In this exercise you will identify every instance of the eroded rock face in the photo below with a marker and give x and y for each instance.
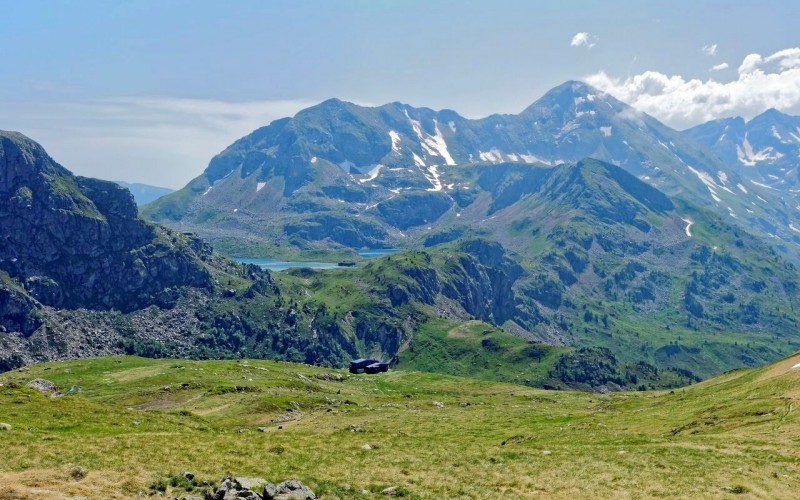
(75, 242)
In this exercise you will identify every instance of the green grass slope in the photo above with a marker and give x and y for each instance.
(133, 424)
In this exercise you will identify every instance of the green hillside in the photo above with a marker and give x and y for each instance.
(134, 425)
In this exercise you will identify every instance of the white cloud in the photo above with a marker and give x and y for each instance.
(762, 83)
(787, 58)
(719, 67)
(750, 64)
(583, 39)
(709, 50)
(155, 140)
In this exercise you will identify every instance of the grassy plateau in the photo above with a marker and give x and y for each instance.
(127, 426)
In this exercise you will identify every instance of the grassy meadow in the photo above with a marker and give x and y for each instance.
(127, 426)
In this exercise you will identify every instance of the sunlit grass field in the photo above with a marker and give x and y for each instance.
(132, 424)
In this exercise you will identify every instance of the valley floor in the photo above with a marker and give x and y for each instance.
(132, 423)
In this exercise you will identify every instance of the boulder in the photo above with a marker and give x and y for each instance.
(43, 386)
(251, 483)
(225, 486)
(290, 490)
(4, 426)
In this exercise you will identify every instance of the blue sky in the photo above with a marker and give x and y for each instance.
(149, 90)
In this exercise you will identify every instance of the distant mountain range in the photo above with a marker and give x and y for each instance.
(338, 174)
(764, 150)
(144, 193)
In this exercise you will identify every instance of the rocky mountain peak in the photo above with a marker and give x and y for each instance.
(764, 150)
(20, 157)
(357, 163)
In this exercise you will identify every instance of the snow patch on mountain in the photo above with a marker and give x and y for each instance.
(742, 188)
(750, 158)
(688, 227)
(569, 127)
(433, 178)
(492, 156)
(395, 137)
(762, 185)
(606, 131)
(708, 181)
(529, 158)
(434, 145)
(260, 186)
(372, 175)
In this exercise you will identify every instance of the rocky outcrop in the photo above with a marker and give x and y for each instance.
(18, 312)
(75, 242)
(479, 277)
(259, 489)
(44, 386)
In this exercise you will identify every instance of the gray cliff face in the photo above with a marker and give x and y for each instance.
(74, 242)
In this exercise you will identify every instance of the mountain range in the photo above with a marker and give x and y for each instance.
(625, 262)
(338, 174)
(764, 150)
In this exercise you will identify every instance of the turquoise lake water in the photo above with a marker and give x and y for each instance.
(282, 265)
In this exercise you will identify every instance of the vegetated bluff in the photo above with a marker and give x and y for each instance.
(342, 175)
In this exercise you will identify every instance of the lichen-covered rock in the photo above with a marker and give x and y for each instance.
(43, 386)
(291, 490)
